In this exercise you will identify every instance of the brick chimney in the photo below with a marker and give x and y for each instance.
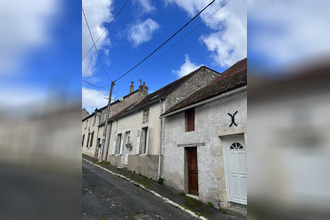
(143, 90)
(131, 88)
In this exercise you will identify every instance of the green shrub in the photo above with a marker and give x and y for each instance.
(160, 181)
(182, 193)
(210, 204)
(223, 211)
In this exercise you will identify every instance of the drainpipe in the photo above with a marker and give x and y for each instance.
(160, 138)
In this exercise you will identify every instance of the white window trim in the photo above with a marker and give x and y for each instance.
(138, 137)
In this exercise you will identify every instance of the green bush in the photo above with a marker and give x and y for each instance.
(160, 181)
(182, 193)
(210, 204)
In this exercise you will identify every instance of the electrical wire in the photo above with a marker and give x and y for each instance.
(90, 33)
(165, 41)
(197, 26)
(95, 85)
(106, 28)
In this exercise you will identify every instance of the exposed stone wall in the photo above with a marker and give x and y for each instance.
(211, 122)
(196, 82)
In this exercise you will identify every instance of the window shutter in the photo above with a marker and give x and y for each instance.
(92, 136)
(190, 117)
(147, 140)
(138, 142)
(121, 146)
(114, 145)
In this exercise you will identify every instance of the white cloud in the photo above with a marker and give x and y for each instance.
(186, 68)
(97, 12)
(227, 41)
(145, 6)
(142, 32)
(92, 99)
(24, 27)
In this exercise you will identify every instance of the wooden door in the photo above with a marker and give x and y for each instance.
(192, 170)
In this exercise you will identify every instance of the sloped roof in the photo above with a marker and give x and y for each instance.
(160, 93)
(118, 114)
(237, 67)
(233, 78)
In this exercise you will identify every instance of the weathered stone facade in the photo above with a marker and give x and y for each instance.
(211, 127)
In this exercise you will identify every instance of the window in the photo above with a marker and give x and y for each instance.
(236, 146)
(86, 124)
(190, 119)
(146, 115)
(83, 138)
(128, 140)
(118, 143)
(94, 119)
(92, 136)
(144, 140)
(128, 137)
(88, 139)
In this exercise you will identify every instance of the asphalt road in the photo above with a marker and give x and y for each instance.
(105, 196)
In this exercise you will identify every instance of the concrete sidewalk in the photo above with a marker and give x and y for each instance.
(192, 206)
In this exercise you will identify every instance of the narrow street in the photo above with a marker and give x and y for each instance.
(105, 196)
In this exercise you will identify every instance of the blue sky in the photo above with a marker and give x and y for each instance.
(41, 53)
(141, 27)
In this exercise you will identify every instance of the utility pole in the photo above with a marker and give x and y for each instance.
(106, 123)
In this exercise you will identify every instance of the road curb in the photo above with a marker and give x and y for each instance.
(166, 200)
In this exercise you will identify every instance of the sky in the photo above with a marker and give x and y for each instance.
(44, 42)
(40, 53)
(141, 27)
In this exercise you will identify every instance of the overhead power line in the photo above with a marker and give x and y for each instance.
(165, 41)
(106, 28)
(197, 26)
(95, 85)
(90, 33)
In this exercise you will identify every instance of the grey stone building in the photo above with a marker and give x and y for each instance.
(205, 142)
(137, 131)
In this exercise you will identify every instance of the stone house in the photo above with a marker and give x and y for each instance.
(137, 131)
(205, 141)
(93, 124)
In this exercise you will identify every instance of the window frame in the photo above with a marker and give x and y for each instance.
(146, 115)
(190, 120)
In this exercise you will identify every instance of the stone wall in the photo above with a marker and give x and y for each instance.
(196, 82)
(211, 123)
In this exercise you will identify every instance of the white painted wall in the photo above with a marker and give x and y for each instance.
(211, 122)
(132, 123)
